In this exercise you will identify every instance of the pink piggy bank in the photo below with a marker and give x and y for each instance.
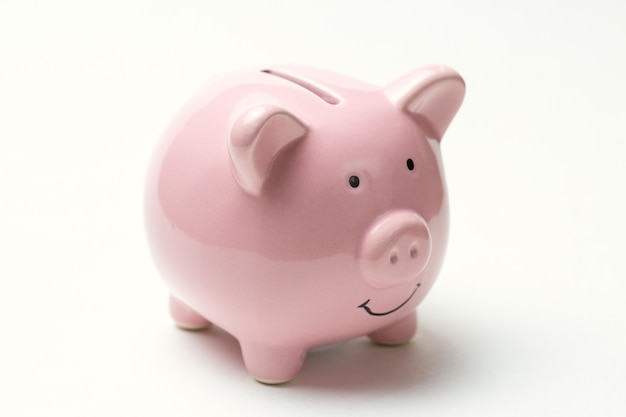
(296, 207)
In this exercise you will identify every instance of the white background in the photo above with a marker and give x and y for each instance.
(529, 314)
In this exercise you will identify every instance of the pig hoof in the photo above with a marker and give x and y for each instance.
(193, 327)
(272, 365)
(267, 382)
(397, 333)
(185, 317)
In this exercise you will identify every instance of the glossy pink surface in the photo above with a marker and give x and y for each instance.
(295, 207)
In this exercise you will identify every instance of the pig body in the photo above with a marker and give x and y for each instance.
(295, 207)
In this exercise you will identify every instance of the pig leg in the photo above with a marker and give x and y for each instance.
(396, 333)
(272, 364)
(185, 317)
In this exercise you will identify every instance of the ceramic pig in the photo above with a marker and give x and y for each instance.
(295, 207)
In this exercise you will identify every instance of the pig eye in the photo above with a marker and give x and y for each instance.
(410, 164)
(354, 181)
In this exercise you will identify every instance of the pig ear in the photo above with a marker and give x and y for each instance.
(431, 95)
(257, 137)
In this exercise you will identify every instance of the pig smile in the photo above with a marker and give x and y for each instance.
(371, 313)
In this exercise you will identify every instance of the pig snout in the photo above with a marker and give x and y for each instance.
(395, 249)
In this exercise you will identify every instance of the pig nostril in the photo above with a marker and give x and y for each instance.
(393, 258)
(413, 252)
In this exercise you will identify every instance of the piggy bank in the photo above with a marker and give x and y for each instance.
(296, 207)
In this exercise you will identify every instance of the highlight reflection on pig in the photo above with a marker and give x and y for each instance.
(296, 207)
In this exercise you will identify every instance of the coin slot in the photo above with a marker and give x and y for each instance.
(314, 88)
